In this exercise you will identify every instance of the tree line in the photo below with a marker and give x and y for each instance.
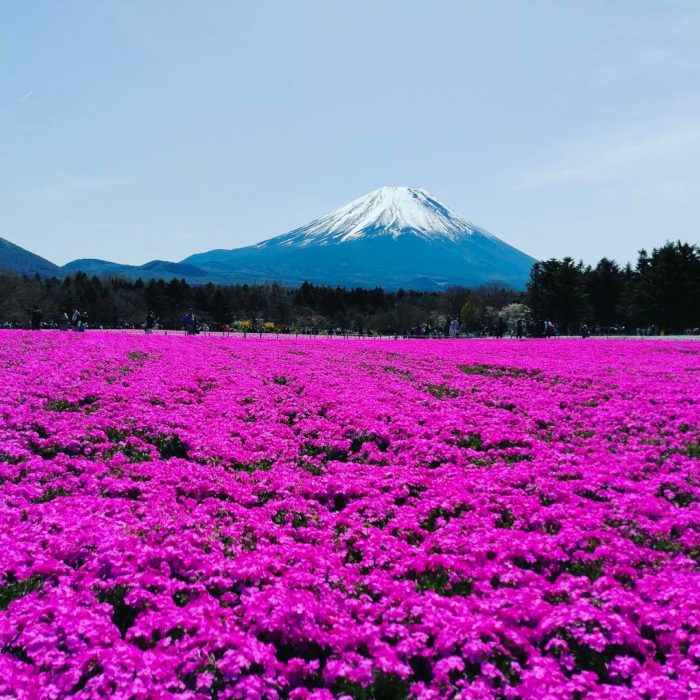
(662, 290)
(113, 302)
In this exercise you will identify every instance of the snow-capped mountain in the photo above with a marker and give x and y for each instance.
(388, 211)
(392, 237)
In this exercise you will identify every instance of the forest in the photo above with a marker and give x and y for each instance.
(659, 294)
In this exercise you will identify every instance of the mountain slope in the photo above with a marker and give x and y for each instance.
(393, 237)
(94, 266)
(15, 259)
(156, 269)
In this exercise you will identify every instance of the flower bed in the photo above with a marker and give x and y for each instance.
(205, 517)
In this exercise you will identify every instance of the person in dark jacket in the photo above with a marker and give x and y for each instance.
(190, 322)
(150, 322)
(36, 317)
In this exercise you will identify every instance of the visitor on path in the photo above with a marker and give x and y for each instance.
(76, 319)
(64, 321)
(584, 330)
(549, 329)
(150, 322)
(500, 328)
(519, 329)
(454, 326)
(35, 318)
(190, 322)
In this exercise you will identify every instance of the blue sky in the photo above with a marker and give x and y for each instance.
(138, 130)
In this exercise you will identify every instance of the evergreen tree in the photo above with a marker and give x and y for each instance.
(669, 286)
(556, 291)
(604, 284)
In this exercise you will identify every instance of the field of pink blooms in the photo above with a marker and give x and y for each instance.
(218, 517)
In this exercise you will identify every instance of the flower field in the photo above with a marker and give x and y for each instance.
(217, 517)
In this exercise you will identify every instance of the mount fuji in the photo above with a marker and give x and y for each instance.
(392, 237)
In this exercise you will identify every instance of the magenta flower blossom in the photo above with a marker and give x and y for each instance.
(201, 517)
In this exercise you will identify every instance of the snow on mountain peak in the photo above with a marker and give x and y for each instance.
(393, 211)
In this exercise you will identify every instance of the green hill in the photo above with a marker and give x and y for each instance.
(22, 262)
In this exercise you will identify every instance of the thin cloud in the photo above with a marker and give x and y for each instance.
(660, 152)
(24, 98)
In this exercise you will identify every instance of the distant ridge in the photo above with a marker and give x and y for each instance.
(150, 270)
(15, 259)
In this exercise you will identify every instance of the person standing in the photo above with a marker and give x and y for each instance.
(500, 328)
(519, 329)
(190, 322)
(76, 319)
(150, 322)
(453, 328)
(35, 318)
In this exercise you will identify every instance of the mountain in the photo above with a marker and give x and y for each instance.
(393, 237)
(156, 269)
(163, 268)
(22, 262)
(93, 266)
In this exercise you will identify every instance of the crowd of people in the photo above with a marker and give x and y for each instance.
(34, 320)
(519, 328)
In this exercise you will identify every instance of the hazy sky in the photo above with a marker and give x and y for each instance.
(138, 130)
